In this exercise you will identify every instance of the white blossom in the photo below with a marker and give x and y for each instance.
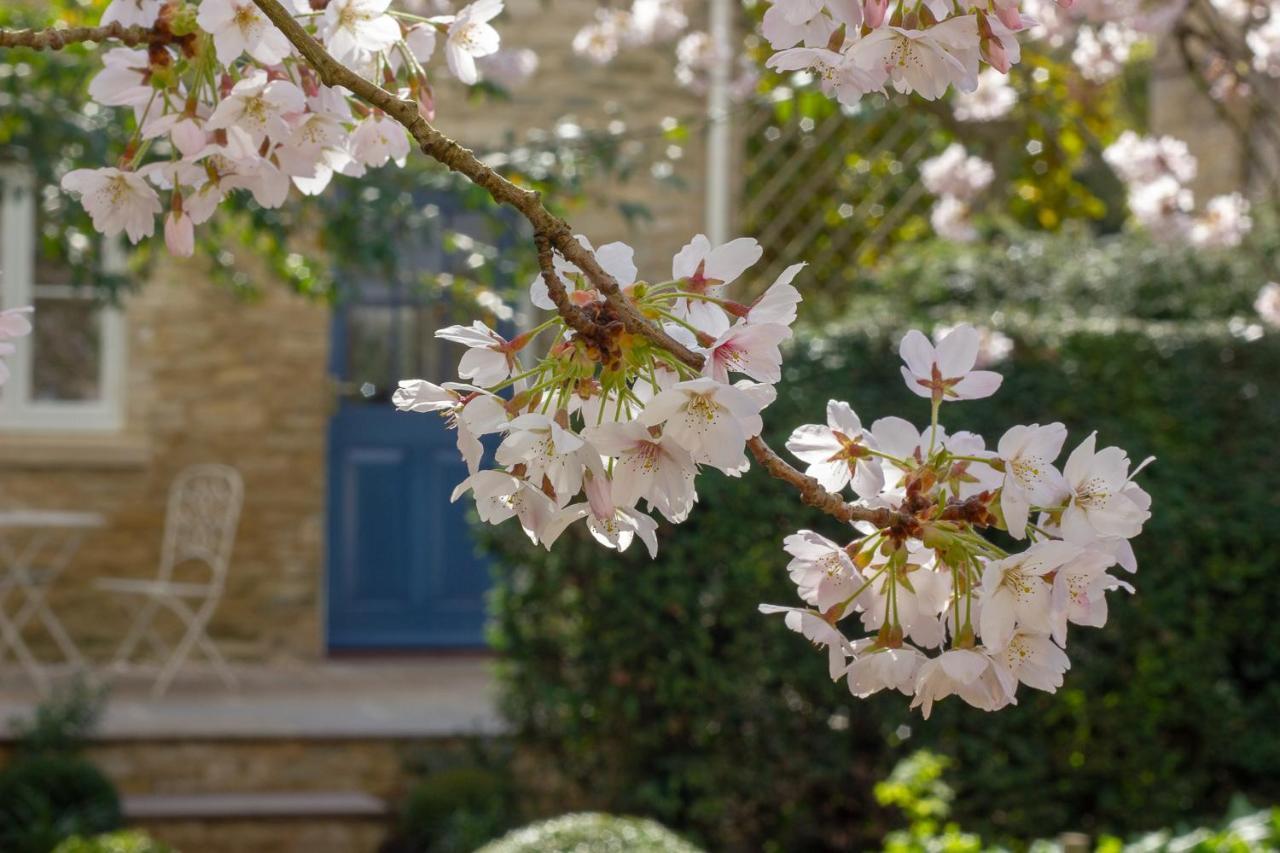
(116, 200)
(470, 36)
(239, 27)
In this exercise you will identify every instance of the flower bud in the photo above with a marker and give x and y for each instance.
(183, 20)
(873, 12)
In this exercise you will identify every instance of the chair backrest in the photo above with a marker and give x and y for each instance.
(200, 523)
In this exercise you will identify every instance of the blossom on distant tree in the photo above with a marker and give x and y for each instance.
(1156, 171)
(1267, 304)
(14, 323)
(993, 98)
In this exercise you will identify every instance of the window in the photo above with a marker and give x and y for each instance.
(68, 376)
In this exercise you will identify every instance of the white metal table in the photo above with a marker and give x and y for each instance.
(36, 546)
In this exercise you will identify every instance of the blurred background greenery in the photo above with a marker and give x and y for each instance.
(657, 688)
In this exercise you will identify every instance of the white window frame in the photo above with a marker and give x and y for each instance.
(18, 412)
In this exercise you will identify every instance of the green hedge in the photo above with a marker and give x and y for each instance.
(658, 689)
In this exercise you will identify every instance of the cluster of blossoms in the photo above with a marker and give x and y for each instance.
(957, 179)
(1264, 39)
(645, 22)
(14, 323)
(948, 611)
(861, 46)
(993, 98)
(649, 22)
(602, 425)
(1102, 34)
(222, 103)
(1156, 171)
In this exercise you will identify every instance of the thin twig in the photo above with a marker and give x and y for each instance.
(813, 494)
(56, 38)
(574, 316)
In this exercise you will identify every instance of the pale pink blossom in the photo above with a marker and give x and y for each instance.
(749, 348)
(813, 627)
(927, 61)
(179, 234)
(239, 27)
(131, 13)
(116, 201)
(354, 29)
(378, 139)
(1267, 304)
(487, 360)
(471, 36)
(876, 669)
(1028, 453)
(709, 419)
(1015, 591)
(954, 671)
(944, 371)
(1103, 501)
(653, 468)
(822, 571)
(259, 106)
(840, 452)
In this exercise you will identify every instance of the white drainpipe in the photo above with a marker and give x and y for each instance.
(719, 137)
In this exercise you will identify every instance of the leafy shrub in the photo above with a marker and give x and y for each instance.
(62, 723)
(1044, 280)
(115, 842)
(656, 688)
(917, 790)
(48, 792)
(47, 798)
(591, 833)
(454, 810)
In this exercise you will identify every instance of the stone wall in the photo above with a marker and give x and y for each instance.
(215, 378)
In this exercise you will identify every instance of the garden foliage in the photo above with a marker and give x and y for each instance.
(48, 791)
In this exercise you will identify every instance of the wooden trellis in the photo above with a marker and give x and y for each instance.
(832, 187)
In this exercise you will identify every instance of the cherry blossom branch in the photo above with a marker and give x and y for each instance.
(813, 494)
(462, 160)
(550, 231)
(56, 38)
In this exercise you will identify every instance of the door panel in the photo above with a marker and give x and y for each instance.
(403, 569)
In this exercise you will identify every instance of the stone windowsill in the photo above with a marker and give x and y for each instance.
(73, 450)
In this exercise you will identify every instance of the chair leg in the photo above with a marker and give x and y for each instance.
(13, 638)
(220, 665)
(195, 623)
(141, 623)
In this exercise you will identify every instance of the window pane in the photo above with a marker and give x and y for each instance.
(369, 351)
(66, 351)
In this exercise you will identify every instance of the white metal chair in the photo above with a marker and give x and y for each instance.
(200, 528)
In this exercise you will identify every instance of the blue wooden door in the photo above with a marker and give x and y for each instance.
(403, 571)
